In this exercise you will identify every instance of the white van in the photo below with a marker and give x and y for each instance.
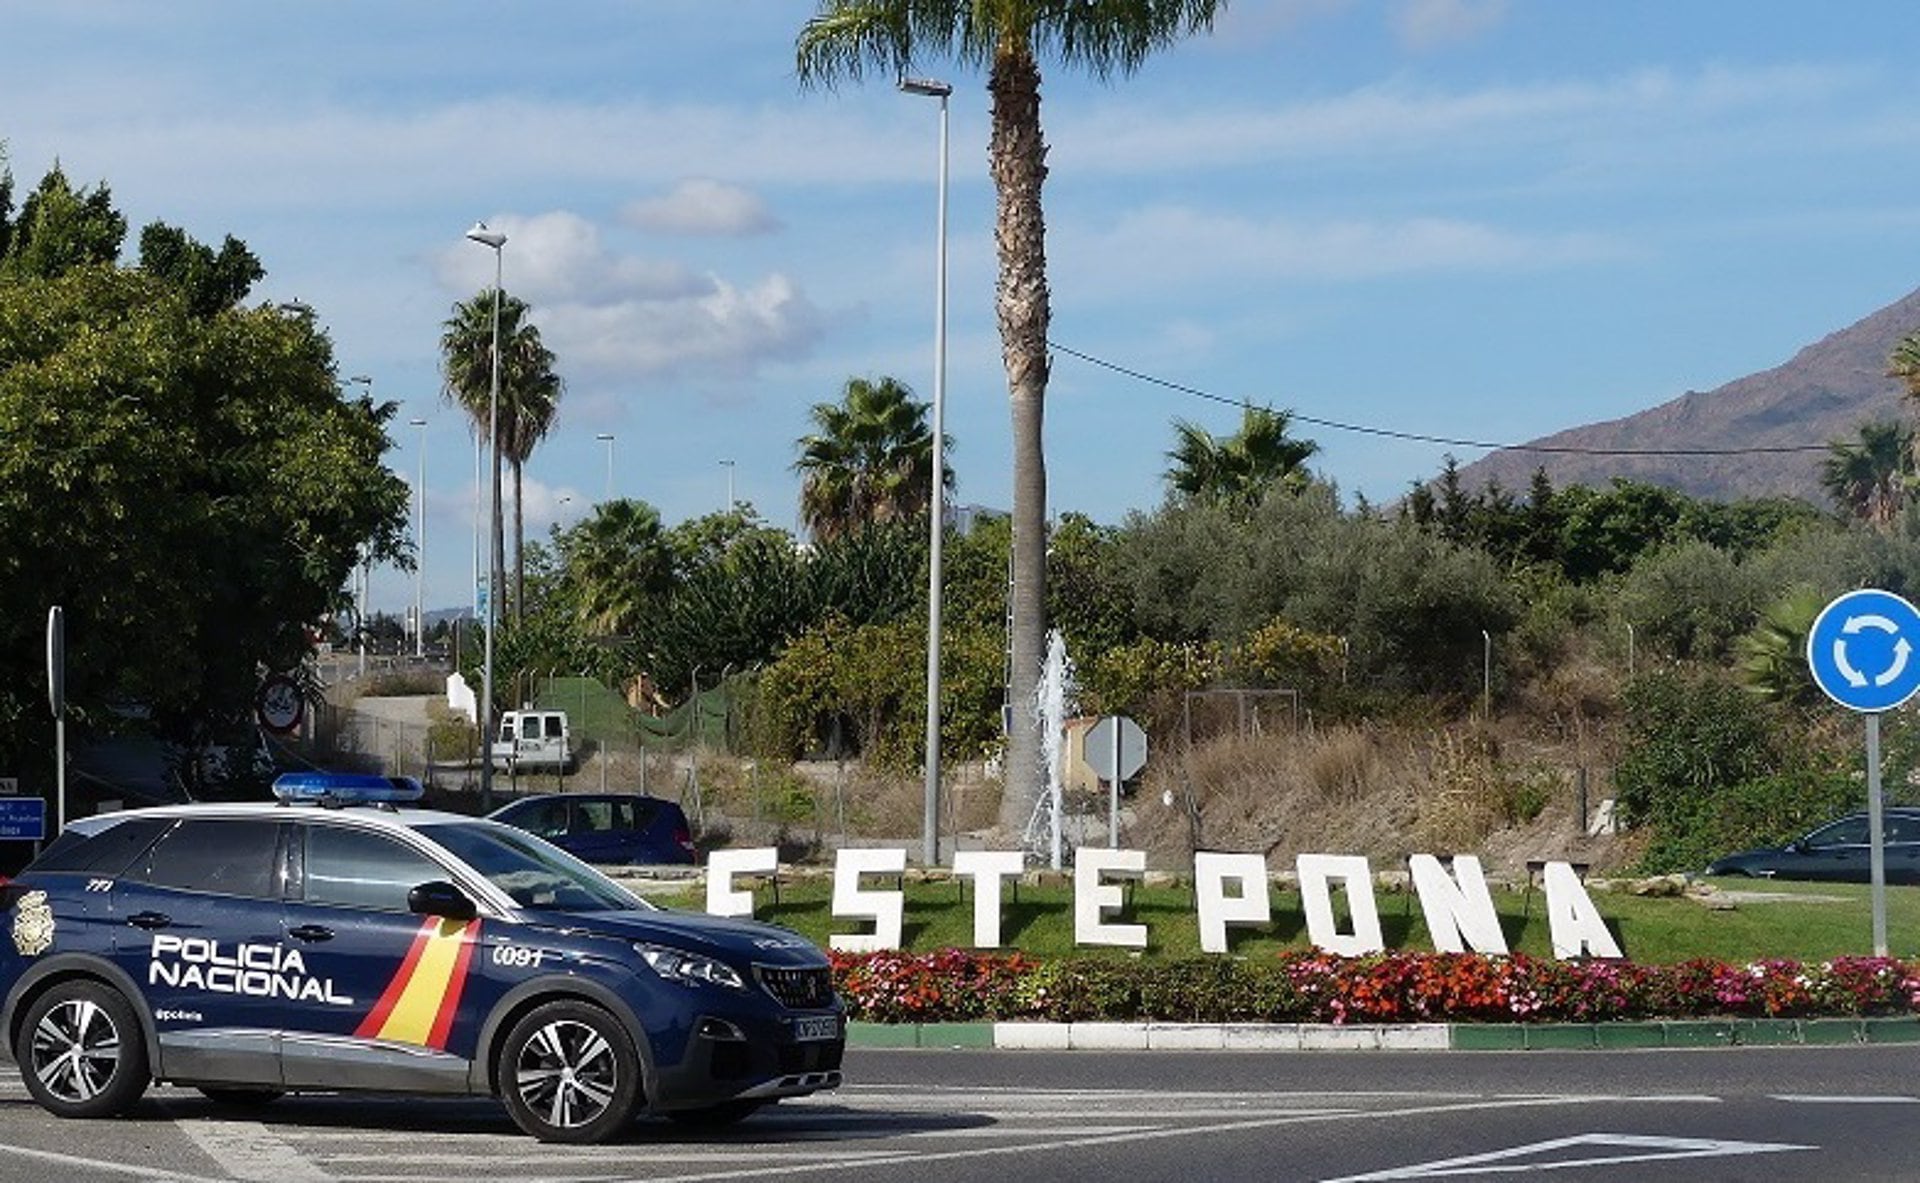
(534, 739)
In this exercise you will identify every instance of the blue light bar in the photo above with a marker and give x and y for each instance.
(346, 788)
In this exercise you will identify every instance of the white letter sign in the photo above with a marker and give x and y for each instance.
(1458, 908)
(723, 865)
(1248, 905)
(1572, 920)
(884, 908)
(1316, 896)
(1092, 898)
(987, 868)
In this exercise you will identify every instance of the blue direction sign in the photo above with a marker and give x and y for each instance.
(1864, 650)
(23, 818)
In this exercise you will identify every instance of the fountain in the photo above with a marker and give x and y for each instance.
(1053, 704)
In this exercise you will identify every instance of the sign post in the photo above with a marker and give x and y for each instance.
(1115, 748)
(1861, 653)
(57, 699)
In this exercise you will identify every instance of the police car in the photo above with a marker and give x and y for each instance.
(339, 940)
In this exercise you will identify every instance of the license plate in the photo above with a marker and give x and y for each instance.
(819, 1027)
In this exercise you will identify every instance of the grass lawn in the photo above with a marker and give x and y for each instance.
(1798, 921)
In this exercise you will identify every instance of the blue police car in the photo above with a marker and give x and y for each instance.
(340, 940)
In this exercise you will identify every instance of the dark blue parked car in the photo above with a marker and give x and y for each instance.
(1837, 852)
(607, 829)
(252, 950)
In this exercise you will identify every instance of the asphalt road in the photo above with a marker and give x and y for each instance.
(1826, 1114)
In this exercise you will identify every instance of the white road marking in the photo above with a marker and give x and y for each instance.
(249, 1150)
(75, 1163)
(1810, 1099)
(1636, 1148)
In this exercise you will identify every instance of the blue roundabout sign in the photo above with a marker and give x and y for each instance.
(1864, 650)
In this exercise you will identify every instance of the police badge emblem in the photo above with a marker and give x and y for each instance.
(32, 924)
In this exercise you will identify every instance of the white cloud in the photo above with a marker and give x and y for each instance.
(724, 331)
(1430, 24)
(699, 206)
(616, 317)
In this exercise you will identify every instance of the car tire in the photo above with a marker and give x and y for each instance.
(81, 1052)
(237, 1097)
(568, 1072)
(713, 1117)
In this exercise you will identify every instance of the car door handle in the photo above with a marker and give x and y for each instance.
(310, 932)
(149, 920)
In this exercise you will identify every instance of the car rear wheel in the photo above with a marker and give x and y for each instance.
(81, 1053)
(568, 1072)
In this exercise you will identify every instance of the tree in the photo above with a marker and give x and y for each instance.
(60, 228)
(186, 481)
(846, 39)
(1868, 479)
(530, 393)
(869, 459)
(618, 566)
(1242, 467)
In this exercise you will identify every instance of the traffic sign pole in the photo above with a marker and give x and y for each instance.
(1876, 846)
(1864, 653)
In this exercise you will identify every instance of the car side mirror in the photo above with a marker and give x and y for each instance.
(443, 899)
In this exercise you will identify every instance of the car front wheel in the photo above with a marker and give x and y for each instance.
(81, 1053)
(568, 1072)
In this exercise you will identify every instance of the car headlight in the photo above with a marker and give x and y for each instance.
(689, 969)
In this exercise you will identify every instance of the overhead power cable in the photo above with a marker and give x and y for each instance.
(1420, 438)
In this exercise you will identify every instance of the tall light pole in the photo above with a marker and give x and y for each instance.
(728, 465)
(496, 241)
(420, 546)
(606, 437)
(937, 504)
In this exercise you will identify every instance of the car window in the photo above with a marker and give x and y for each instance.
(108, 852)
(534, 873)
(223, 856)
(1848, 831)
(594, 816)
(360, 869)
(545, 818)
(553, 727)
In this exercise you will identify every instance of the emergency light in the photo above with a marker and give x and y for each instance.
(345, 788)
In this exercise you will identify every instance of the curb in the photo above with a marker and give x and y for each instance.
(1315, 1037)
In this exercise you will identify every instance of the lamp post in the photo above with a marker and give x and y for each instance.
(606, 437)
(420, 546)
(937, 504)
(728, 465)
(496, 241)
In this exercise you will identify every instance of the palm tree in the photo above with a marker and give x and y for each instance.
(1240, 468)
(529, 398)
(618, 564)
(869, 459)
(1772, 659)
(1869, 479)
(845, 40)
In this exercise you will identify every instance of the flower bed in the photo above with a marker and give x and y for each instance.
(1308, 986)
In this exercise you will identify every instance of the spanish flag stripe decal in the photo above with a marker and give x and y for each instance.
(450, 1005)
(417, 1007)
(370, 1026)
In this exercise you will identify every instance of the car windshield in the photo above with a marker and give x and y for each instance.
(535, 873)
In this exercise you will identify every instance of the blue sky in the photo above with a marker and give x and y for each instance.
(1481, 219)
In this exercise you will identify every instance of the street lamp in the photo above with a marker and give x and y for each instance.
(937, 504)
(494, 240)
(606, 437)
(728, 465)
(420, 546)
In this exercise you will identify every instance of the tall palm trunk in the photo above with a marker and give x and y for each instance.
(519, 544)
(1017, 158)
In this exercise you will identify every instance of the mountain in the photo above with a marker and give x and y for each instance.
(1822, 395)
